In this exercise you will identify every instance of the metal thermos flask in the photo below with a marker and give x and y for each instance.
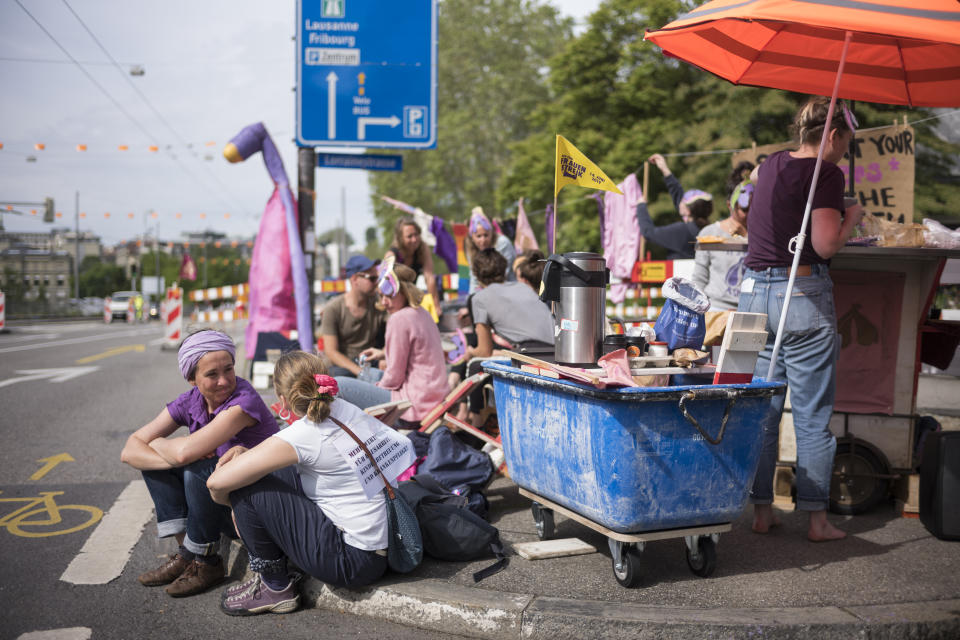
(576, 284)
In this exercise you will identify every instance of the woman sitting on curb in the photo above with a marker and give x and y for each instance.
(221, 411)
(315, 513)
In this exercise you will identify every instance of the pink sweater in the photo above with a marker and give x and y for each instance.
(416, 369)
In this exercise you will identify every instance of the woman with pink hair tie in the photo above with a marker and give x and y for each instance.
(296, 495)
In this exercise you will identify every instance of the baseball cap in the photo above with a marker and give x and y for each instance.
(359, 263)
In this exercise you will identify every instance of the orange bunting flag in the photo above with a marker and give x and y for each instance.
(178, 216)
(153, 148)
(83, 215)
(122, 147)
(33, 212)
(106, 215)
(81, 147)
(203, 216)
(130, 215)
(59, 214)
(39, 146)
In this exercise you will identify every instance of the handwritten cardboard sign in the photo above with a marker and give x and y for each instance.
(393, 452)
(884, 169)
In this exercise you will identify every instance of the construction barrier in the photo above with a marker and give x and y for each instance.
(236, 293)
(172, 313)
(131, 312)
(107, 313)
(642, 303)
(3, 311)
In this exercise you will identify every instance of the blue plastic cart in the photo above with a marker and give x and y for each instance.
(637, 464)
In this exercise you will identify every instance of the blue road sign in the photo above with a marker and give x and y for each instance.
(357, 161)
(367, 73)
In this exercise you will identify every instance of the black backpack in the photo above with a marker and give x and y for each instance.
(450, 530)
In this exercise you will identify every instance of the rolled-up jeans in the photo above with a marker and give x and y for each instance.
(183, 505)
(808, 363)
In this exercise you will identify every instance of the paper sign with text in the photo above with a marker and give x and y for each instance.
(883, 169)
(393, 452)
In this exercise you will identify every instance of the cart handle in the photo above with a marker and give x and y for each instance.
(690, 395)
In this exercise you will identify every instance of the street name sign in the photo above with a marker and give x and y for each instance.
(367, 73)
(370, 162)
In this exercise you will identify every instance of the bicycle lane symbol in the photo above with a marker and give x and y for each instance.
(41, 516)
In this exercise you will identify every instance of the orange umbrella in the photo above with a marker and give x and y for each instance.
(890, 51)
(900, 52)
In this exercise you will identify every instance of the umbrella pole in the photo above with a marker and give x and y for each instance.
(799, 240)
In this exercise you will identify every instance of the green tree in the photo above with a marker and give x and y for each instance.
(100, 279)
(491, 74)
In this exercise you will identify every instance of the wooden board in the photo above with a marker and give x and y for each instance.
(567, 372)
(553, 548)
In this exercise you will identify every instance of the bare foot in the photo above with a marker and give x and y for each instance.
(764, 518)
(821, 530)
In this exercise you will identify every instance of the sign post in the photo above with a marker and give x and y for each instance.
(366, 73)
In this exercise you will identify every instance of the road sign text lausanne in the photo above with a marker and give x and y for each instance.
(366, 73)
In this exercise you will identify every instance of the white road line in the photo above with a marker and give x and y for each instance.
(108, 548)
(57, 343)
(35, 336)
(71, 633)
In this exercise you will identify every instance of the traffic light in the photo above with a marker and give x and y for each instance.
(48, 212)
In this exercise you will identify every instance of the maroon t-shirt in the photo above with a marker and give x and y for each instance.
(777, 208)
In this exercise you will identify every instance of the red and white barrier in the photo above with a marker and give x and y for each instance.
(107, 313)
(3, 311)
(131, 312)
(173, 317)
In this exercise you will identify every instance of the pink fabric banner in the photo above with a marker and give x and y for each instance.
(272, 305)
(868, 307)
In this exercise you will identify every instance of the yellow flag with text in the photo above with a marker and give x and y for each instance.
(572, 167)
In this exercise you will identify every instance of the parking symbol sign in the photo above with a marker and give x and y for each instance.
(414, 122)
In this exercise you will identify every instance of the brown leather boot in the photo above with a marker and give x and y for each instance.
(196, 578)
(165, 573)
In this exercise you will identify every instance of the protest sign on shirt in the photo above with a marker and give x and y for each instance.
(883, 170)
(392, 451)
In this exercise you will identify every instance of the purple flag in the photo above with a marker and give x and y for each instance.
(550, 238)
(446, 247)
(188, 270)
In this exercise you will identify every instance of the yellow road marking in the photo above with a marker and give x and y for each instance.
(51, 462)
(113, 352)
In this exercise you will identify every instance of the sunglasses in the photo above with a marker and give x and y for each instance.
(367, 276)
(849, 118)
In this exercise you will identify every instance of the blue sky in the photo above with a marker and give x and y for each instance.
(211, 68)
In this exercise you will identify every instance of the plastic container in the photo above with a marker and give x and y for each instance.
(628, 459)
(614, 341)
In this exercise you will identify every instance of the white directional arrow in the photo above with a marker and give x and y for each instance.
(362, 123)
(332, 105)
(61, 374)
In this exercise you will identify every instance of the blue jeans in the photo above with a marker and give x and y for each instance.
(183, 504)
(808, 363)
(360, 393)
(277, 521)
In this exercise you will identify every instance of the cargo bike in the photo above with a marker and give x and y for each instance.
(637, 464)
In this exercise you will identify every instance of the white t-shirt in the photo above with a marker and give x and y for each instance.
(329, 481)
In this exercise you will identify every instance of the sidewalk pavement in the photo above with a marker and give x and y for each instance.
(888, 579)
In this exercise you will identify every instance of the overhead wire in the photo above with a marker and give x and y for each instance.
(143, 97)
(109, 96)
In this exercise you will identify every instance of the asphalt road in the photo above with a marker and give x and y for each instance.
(70, 394)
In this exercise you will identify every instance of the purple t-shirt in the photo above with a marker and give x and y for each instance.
(190, 410)
(777, 208)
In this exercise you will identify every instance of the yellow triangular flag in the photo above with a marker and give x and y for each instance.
(572, 167)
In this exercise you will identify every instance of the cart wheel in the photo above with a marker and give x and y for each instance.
(854, 486)
(629, 573)
(543, 519)
(705, 560)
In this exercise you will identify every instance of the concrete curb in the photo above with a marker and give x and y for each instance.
(437, 605)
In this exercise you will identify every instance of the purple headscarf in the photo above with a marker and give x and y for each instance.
(478, 220)
(200, 344)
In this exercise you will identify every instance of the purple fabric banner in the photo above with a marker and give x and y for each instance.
(446, 246)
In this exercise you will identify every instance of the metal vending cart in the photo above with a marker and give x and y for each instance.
(636, 464)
